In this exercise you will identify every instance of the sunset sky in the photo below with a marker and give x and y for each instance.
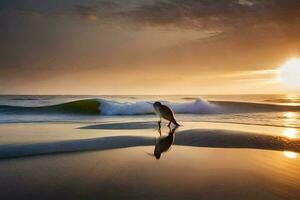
(146, 46)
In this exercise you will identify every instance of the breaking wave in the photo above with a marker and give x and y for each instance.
(110, 107)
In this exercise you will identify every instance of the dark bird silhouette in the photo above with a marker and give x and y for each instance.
(164, 143)
(165, 112)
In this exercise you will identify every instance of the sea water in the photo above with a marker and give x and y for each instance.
(266, 110)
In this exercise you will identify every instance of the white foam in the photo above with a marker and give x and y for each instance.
(109, 107)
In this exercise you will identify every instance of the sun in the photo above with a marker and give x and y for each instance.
(289, 73)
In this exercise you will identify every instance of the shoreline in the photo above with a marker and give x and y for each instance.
(129, 160)
(70, 138)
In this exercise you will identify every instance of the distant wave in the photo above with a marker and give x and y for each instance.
(85, 107)
(278, 100)
(110, 107)
(23, 98)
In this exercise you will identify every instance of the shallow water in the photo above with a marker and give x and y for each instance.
(119, 160)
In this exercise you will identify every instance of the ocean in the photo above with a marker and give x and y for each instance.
(265, 110)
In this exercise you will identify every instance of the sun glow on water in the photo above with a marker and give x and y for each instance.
(290, 154)
(290, 119)
(290, 115)
(290, 133)
(292, 96)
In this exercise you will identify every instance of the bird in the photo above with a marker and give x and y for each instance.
(163, 144)
(164, 112)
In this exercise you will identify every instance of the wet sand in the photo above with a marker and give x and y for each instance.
(109, 161)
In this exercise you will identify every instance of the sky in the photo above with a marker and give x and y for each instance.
(146, 46)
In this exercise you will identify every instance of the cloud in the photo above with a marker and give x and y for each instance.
(89, 10)
(217, 15)
(41, 40)
(195, 14)
(101, 9)
(245, 34)
(86, 12)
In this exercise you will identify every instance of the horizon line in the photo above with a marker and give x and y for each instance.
(148, 94)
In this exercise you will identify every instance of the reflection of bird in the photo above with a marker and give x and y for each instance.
(163, 144)
(164, 112)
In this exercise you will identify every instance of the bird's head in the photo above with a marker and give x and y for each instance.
(157, 104)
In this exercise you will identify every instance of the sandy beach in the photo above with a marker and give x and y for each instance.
(116, 160)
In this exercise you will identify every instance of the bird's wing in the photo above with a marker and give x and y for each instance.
(166, 112)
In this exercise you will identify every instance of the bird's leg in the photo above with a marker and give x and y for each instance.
(170, 130)
(159, 126)
(169, 124)
(159, 122)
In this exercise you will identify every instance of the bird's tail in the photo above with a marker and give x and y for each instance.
(175, 122)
